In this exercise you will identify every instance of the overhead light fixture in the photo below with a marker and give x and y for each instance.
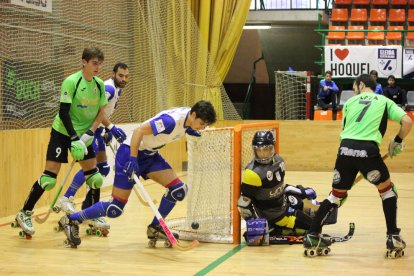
(257, 27)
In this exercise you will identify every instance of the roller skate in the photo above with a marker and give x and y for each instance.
(395, 245)
(155, 233)
(316, 244)
(98, 227)
(24, 221)
(65, 204)
(71, 229)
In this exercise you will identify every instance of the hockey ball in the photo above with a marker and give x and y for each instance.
(195, 225)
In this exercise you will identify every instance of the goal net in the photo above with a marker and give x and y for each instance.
(215, 164)
(292, 101)
(158, 40)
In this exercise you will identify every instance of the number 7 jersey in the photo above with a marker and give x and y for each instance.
(365, 117)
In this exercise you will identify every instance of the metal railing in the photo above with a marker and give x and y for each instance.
(291, 4)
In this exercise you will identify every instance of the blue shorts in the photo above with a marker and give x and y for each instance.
(147, 164)
(98, 141)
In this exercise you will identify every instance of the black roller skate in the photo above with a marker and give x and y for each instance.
(395, 245)
(155, 233)
(71, 229)
(316, 244)
(24, 221)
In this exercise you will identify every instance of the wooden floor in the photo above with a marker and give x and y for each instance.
(125, 250)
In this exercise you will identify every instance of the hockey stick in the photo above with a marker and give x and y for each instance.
(345, 238)
(360, 176)
(42, 220)
(143, 202)
(174, 242)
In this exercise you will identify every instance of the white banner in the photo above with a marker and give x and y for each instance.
(408, 63)
(41, 5)
(352, 61)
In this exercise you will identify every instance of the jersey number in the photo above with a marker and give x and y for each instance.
(58, 152)
(364, 110)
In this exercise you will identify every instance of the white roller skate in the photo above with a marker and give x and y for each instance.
(316, 245)
(98, 227)
(65, 204)
(155, 233)
(71, 229)
(24, 221)
(395, 246)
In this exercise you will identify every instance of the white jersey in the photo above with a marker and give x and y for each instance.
(112, 94)
(167, 126)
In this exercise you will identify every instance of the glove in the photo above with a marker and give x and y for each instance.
(107, 136)
(78, 149)
(396, 146)
(118, 133)
(310, 193)
(131, 167)
(87, 137)
(192, 132)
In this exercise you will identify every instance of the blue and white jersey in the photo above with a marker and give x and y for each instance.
(112, 94)
(167, 126)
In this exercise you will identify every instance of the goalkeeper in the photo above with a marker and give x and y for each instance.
(288, 209)
(365, 118)
(102, 137)
(82, 104)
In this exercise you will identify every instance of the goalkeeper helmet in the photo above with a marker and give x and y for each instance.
(263, 146)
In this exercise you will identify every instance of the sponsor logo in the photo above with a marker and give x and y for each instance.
(353, 153)
(159, 125)
(269, 175)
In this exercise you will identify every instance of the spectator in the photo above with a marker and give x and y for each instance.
(378, 88)
(328, 92)
(395, 93)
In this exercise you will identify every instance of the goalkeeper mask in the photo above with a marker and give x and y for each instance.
(263, 146)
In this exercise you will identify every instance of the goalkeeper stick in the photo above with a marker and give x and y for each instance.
(174, 242)
(360, 176)
(41, 220)
(143, 202)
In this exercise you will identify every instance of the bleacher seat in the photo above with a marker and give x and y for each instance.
(411, 2)
(362, 2)
(358, 15)
(410, 36)
(410, 17)
(339, 15)
(378, 16)
(355, 36)
(345, 95)
(398, 2)
(394, 36)
(343, 2)
(410, 99)
(375, 36)
(379, 3)
(397, 16)
(336, 35)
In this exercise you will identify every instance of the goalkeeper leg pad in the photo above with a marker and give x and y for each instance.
(47, 181)
(94, 178)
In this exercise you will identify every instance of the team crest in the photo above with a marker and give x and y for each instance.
(269, 175)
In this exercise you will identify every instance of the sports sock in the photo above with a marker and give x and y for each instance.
(35, 193)
(77, 182)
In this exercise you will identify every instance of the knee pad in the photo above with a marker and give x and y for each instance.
(104, 168)
(47, 181)
(94, 179)
(115, 208)
(337, 198)
(389, 192)
(176, 192)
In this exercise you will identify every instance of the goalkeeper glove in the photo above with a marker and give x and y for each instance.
(131, 167)
(118, 133)
(395, 147)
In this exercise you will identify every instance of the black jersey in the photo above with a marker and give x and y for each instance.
(264, 185)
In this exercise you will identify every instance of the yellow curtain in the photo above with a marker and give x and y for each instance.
(220, 24)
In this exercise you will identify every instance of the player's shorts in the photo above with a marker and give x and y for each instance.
(147, 164)
(358, 156)
(58, 147)
(98, 141)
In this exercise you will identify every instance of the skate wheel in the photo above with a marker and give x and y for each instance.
(27, 236)
(89, 231)
(105, 232)
(66, 242)
(401, 253)
(14, 224)
(325, 251)
(151, 243)
(167, 244)
(98, 233)
(21, 234)
(56, 209)
(57, 229)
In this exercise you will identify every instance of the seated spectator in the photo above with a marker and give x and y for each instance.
(328, 92)
(395, 93)
(378, 88)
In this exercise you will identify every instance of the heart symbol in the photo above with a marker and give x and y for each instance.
(341, 54)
